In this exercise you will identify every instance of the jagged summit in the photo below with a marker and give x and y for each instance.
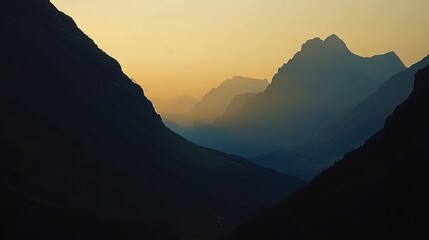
(333, 38)
(317, 55)
(332, 42)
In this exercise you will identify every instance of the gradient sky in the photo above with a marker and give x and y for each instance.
(174, 47)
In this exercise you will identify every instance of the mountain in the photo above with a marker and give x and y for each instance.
(378, 191)
(237, 103)
(320, 83)
(85, 156)
(320, 151)
(216, 101)
(211, 106)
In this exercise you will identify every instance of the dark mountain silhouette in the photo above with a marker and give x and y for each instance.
(320, 83)
(216, 101)
(378, 191)
(85, 156)
(320, 151)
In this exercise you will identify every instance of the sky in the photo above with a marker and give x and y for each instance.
(175, 47)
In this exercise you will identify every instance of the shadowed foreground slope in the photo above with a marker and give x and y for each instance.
(83, 152)
(379, 191)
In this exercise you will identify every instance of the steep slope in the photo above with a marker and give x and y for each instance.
(378, 191)
(343, 135)
(237, 103)
(216, 101)
(321, 82)
(81, 145)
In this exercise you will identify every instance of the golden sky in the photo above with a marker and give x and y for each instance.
(174, 47)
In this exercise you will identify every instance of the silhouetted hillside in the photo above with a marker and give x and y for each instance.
(343, 135)
(320, 83)
(378, 191)
(85, 156)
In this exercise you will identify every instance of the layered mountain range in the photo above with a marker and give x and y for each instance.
(307, 159)
(319, 84)
(378, 191)
(213, 104)
(85, 156)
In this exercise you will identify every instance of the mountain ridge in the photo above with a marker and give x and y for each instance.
(346, 133)
(310, 90)
(376, 191)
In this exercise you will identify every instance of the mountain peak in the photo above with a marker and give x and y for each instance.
(332, 42)
(333, 38)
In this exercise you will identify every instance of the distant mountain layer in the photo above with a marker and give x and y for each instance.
(378, 191)
(85, 156)
(212, 105)
(317, 153)
(320, 83)
(215, 102)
